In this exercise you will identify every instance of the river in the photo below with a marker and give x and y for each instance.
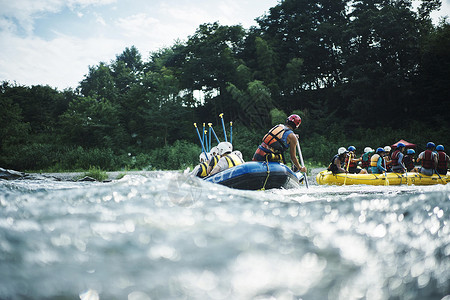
(163, 235)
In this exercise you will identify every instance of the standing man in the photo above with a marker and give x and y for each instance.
(279, 139)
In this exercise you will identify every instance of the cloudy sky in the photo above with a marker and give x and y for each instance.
(55, 41)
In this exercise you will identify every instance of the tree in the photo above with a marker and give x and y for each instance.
(13, 130)
(99, 83)
(89, 122)
(255, 103)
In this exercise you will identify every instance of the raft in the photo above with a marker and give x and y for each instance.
(258, 176)
(409, 178)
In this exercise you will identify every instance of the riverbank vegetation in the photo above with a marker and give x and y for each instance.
(363, 73)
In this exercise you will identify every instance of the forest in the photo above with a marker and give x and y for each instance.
(358, 72)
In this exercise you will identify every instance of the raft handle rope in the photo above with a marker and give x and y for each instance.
(268, 174)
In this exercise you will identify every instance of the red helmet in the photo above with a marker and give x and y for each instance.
(294, 119)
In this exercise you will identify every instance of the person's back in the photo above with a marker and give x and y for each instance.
(377, 162)
(365, 158)
(274, 142)
(201, 169)
(278, 140)
(397, 159)
(408, 160)
(428, 160)
(227, 159)
(442, 160)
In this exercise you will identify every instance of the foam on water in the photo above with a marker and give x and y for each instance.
(168, 236)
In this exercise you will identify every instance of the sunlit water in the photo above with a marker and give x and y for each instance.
(166, 236)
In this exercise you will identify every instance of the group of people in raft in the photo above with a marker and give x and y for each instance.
(432, 160)
(279, 139)
(282, 138)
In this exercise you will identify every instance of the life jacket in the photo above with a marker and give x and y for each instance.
(276, 138)
(427, 160)
(332, 167)
(408, 161)
(394, 158)
(203, 168)
(374, 160)
(233, 160)
(352, 164)
(442, 161)
(365, 160)
(214, 161)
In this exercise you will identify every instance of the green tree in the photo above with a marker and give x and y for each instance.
(99, 83)
(13, 130)
(89, 122)
(255, 103)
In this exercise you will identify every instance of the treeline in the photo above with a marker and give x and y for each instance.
(365, 73)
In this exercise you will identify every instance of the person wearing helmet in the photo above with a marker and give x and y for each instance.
(428, 160)
(408, 160)
(214, 159)
(377, 162)
(201, 169)
(279, 139)
(387, 157)
(442, 160)
(352, 162)
(365, 158)
(214, 151)
(337, 162)
(227, 158)
(397, 159)
(238, 153)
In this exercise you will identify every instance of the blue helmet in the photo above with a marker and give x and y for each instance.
(439, 148)
(400, 145)
(410, 151)
(379, 150)
(352, 148)
(430, 145)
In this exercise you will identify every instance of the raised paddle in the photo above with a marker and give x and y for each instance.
(386, 182)
(348, 165)
(223, 126)
(201, 141)
(301, 161)
(215, 135)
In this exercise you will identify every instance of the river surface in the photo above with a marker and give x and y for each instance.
(168, 236)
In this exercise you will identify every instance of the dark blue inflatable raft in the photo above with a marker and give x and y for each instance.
(257, 176)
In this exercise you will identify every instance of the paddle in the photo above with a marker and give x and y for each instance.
(301, 161)
(231, 132)
(440, 178)
(223, 126)
(201, 141)
(385, 173)
(348, 165)
(215, 135)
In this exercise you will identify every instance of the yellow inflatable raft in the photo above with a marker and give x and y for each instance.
(327, 177)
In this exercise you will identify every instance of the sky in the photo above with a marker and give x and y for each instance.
(53, 42)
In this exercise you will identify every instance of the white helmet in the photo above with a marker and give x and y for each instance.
(238, 154)
(203, 157)
(224, 147)
(368, 149)
(214, 151)
(342, 150)
(387, 148)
